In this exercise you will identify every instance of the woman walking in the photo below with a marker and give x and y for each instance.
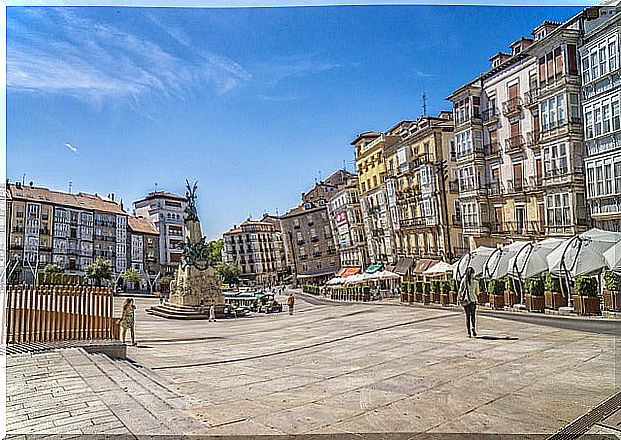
(212, 313)
(127, 319)
(468, 297)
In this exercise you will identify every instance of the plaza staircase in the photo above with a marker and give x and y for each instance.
(173, 311)
(140, 399)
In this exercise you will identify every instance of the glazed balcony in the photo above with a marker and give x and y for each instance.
(514, 144)
(490, 116)
(473, 154)
(512, 107)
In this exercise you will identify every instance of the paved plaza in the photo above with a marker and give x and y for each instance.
(330, 368)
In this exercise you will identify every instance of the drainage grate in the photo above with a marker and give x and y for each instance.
(583, 423)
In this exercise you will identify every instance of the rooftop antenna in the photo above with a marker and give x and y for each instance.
(320, 176)
(424, 103)
(155, 186)
(70, 185)
(344, 166)
(23, 179)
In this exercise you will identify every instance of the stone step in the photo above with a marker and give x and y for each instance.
(175, 314)
(130, 411)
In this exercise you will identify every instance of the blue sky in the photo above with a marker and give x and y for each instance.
(253, 103)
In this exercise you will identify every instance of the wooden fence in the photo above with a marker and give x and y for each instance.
(59, 313)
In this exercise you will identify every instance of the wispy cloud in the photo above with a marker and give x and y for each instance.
(70, 147)
(294, 66)
(417, 73)
(67, 53)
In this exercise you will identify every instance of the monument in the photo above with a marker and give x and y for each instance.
(195, 286)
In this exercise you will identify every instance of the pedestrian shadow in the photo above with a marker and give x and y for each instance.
(498, 338)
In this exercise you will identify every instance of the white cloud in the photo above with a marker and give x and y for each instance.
(92, 60)
(70, 146)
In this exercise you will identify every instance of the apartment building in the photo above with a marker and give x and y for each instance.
(422, 189)
(166, 211)
(308, 234)
(601, 95)
(371, 169)
(518, 142)
(65, 229)
(256, 247)
(143, 241)
(347, 226)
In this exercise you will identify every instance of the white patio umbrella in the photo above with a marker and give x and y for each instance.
(582, 254)
(475, 259)
(386, 275)
(336, 280)
(439, 268)
(354, 279)
(613, 258)
(531, 260)
(497, 265)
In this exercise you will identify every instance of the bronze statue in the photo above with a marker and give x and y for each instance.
(190, 211)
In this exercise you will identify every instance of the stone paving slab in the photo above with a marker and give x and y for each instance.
(364, 368)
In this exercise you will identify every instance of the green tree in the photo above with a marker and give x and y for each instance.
(165, 282)
(228, 272)
(99, 270)
(215, 252)
(131, 275)
(52, 268)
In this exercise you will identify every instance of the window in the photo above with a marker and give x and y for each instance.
(608, 179)
(555, 159)
(616, 124)
(574, 107)
(591, 182)
(599, 176)
(612, 55)
(558, 210)
(553, 112)
(618, 177)
(586, 69)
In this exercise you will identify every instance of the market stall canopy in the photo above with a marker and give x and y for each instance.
(531, 260)
(348, 271)
(497, 265)
(422, 265)
(613, 258)
(403, 266)
(374, 268)
(475, 259)
(582, 254)
(439, 268)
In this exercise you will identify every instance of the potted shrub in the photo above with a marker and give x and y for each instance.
(418, 291)
(586, 301)
(511, 296)
(483, 294)
(496, 289)
(534, 295)
(366, 293)
(445, 287)
(426, 292)
(553, 297)
(612, 291)
(403, 297)
(453, 291)
(435, 291)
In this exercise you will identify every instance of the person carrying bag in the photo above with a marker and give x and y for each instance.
(468, 297)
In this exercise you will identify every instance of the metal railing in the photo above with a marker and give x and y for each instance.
(512, 106)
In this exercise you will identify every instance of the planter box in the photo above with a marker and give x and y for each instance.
(612, 300)
(535, 303)
(483, 297)
(497, 301)
(366, 297)
(403, 297)
(452, 297)
(444, 299)
(511, 298)
(435, 297)
(586, 305)
(554, 300)
(418, 297)
(426, 298)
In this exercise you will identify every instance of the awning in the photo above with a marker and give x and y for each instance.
(423, 264)
(348, 271)
(439, 268)
(318, 274)
(374, 268)
(403, 266)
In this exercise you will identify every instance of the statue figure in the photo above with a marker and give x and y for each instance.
(195, 254)
(190, 210)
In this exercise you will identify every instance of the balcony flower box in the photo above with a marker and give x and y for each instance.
(586, 301)
(612, 292)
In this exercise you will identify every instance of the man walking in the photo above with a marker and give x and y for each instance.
(290, 302)
(212, 313)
